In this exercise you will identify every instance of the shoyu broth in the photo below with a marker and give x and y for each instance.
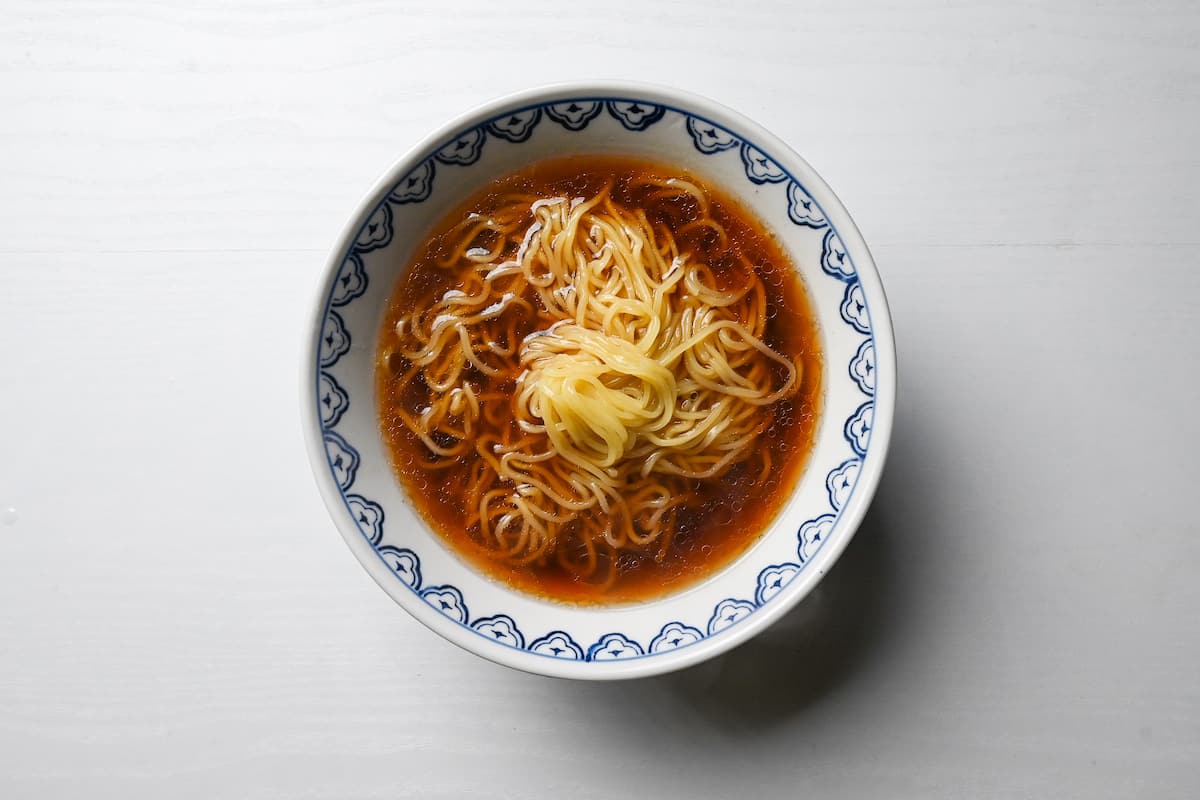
(599, 379)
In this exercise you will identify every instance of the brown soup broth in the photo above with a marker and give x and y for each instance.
(727, 513)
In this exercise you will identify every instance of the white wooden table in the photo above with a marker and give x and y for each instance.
(1019, 616)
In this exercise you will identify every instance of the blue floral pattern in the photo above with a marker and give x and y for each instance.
(574, 115)
(858, 428)
(332, 400)
(729, 612)
(464, 150)
(517, 127)
(403, 562)
(351, 281)
(557, 644)
(368, 515)
(760, 168)
(772, 580)
(710, 138)
(802, 209)
(634, 115)
(612, 646)
(416, 186)
(854, 308)
(449, 601)
(840, 482)
(343, 459)
(673, 636)
(335, 339)
(502, 629)
(377, 232)
(812, 535)
(862, 367)
(834, 259)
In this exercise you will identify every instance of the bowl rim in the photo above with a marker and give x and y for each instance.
(850, 515)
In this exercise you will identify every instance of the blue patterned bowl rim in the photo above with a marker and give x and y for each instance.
(635, 106)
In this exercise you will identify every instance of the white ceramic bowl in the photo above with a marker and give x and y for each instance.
(351, 462)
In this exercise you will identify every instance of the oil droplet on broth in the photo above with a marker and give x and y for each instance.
(725, 515)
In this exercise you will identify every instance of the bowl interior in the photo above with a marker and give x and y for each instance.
(352, 462)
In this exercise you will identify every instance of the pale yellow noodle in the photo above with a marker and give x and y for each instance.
(631, 373)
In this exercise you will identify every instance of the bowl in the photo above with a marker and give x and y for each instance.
(351, 462)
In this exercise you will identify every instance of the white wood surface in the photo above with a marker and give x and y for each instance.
(1019, 616)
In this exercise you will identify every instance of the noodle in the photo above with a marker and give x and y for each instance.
(591, 371)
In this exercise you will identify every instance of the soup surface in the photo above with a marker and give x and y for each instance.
(604, 449)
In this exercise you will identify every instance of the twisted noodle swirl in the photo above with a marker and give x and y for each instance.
(584, 373)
